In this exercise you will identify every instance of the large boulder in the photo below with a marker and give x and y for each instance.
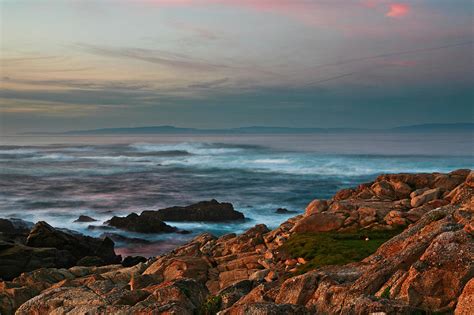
(212, 211)
(318, 222)
(426, 196)
(141, 224)
(43, 235)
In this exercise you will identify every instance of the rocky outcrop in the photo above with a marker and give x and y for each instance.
(141, 224)
(210, 211)
(426, 268)
(45, 246)
(152, 221)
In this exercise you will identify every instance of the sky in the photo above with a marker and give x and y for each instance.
(84, 64)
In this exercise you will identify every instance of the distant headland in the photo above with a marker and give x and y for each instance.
(455, 127)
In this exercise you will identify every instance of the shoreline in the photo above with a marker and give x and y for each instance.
(245, 272)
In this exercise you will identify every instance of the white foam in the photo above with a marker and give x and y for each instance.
(190, 147)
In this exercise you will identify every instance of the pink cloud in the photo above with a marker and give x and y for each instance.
(398, 10)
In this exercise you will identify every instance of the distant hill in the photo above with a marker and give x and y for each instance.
(467, 127)
(462, 127)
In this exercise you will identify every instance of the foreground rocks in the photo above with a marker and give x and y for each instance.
(427, 268)
(45, 246)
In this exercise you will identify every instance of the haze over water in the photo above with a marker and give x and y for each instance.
(56, 179)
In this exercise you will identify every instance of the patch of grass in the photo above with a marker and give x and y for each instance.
(211, 306)
(333, 248)
(386, 293)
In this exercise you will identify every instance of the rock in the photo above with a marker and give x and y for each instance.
(60, 300)
(85, 218)
(426, 196)
(297, 290)
(465, 305)
(180, 267)
(284, 211)
(259, 275)
(141, 224)
(271, 276)
(212, 211)
(383, 189)
(316, 206)
(401, 189)
(44, 235)
(318, 222)
(188, 294)
(234, 292)
(130, 261)
(19, 258)
(438, 277)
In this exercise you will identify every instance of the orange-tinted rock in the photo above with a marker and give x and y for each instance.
(318, 222)
(315, 206)
(383, 189)
(465, 304)
(425, 197)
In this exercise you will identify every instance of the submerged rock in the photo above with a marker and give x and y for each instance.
(284, 211)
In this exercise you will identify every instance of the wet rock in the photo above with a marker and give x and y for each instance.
(212, 211)
(45, 236)
(141, 224)
(284, 211)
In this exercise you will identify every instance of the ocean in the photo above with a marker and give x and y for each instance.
(58, 178)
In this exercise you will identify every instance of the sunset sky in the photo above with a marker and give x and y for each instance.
(227, 63)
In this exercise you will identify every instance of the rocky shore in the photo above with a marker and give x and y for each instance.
(426, 267)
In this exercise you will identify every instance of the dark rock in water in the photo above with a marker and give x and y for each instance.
(212, 211)
(130, 261)
(124, 239)
(141, 224)
(184, 232)
(85, 218)
(44, 235)
(89, 261)
(284, 211)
